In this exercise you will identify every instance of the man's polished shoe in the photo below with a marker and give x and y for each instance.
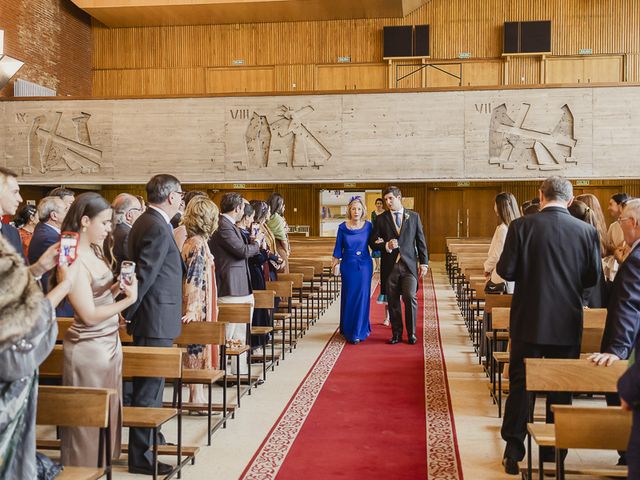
(510, 466)
(163, 469)
(393, 340)
(412, 340)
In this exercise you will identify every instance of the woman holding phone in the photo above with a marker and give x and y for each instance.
(92, 349)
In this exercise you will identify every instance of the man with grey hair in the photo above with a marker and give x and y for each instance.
(552, 257)
(126, 210)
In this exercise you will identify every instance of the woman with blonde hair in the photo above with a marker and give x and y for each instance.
(352, 254)
(507, 210)
(199, 300)
(595, 218)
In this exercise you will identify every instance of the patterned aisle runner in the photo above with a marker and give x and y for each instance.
(338, 406)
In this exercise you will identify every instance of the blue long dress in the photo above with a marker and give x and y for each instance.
(356, 270)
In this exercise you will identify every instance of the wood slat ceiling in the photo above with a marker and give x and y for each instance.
(135, 13)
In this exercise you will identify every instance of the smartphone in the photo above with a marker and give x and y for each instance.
(255, 230)
(127, 271)
(68, 248)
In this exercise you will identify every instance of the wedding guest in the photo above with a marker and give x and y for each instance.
(596, 218)
(25, 221)
(126, 209)
(10, 199)
(506, 208)
(351, 252)
(199, 295)
(278, 226)
(384, 274)
(615, 238)
(92, 350)
(28, 331)
(180, 232)
(374, 215)
(160, 270)
(143, 204)
(64, 194)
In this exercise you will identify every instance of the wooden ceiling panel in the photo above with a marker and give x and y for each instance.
(135, 13)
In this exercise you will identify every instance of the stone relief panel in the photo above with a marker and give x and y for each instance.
(528, 133)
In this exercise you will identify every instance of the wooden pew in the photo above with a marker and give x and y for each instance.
(265, 299)
(545, 375)
(79, 407)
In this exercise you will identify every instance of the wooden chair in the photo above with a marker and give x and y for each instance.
(284, 290)
(238, 313)
(591, 428)
(545, 375)
(311, 291)
(265, 299)
(79, 407)
(593, 328)
(499, 332)
(206, 333)
(297, 304)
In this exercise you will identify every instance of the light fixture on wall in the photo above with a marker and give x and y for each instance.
(8, 66)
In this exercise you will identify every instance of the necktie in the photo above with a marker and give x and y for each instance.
(398, 219)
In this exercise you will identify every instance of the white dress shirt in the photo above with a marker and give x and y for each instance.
(495, 250)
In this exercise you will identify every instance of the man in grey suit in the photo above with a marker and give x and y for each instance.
(232, 268)
(155, 318)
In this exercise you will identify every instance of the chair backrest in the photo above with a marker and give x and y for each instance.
(53, 364)
(492, 301)
(297, 279)
(234, 312)
(593, 328)
(500, 318)
(264, 298)
(592, 427)
(205, 333)
(308, 272)
(318, 265)
(151, 362)
(64, 323)
(73, 406)
(579, 376)
(283, 289)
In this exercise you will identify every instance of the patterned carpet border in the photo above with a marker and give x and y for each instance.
(443, 455)
(272, 453)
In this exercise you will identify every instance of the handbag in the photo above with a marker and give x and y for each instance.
(492, 287)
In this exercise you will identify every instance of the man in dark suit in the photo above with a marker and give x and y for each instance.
(51, 213)
(10, 199)
(552, 257)
(126, 209)
(622, 327)
(155, 318)
(402, 237)
(232, 267)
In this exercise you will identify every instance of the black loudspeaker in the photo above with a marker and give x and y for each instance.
(511, 37)
(398, 41)
(421, 48)
(527, 37)
(535, 37)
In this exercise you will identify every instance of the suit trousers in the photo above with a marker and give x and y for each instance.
(238, 331)
(402, 283)
(633, 450)
(147, 392)
(514, 424)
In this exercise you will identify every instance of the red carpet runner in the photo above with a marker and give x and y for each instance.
(369, 411)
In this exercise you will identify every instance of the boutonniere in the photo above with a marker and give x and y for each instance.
(406, 216)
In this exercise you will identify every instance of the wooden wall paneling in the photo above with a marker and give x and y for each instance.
(523, 71)
(482, 73)
(332, 77)
(240, 79)
(603, 69)
(368, 76)
(291, 78)
(564, 70)
(442, 75)
(410, 69)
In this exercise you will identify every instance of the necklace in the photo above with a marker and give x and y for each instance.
(357, 226)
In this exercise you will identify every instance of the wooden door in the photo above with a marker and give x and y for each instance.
(445, 217)
(565, 70)
(480, 219)
(603, 69)
(332, 77)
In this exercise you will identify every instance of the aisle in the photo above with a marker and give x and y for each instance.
(362, 411)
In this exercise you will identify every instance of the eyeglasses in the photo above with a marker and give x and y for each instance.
(182, 194)
(622, 219)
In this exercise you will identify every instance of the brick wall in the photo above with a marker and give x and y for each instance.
(53, 39)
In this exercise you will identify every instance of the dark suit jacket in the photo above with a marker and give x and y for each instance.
(11, 235)
(623, 312)
(552, 257)
(43, 237)
(231, 254)
(158, 311)
(410, 241)
(119, 245)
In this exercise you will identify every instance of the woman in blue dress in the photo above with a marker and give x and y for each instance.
(352, 254)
